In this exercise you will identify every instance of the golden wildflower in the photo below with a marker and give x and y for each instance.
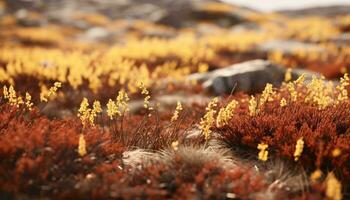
(208, 120)
(336, 152)
(316, 175)
(317, 93)
(175, 145)
(298, 149)
(283, 102)
(288, 75)
(292, 92)
(11, 95)
(300, 81)
(122, 102)
(341, 89)
(82, 145)
(29, 104)
(225, 114)
(253, 110)
(176, 112)
(112, 109)
(5, 92)
(333, 190)
(263, 154)
(96, 108)
(267, 94)
(45, 95)
(144, 91)
(84, 111)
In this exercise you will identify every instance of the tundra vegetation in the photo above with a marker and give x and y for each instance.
(70, 127)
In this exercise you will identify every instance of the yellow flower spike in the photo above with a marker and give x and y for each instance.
(225, 114)
(267, 94)
(176, 112)
(144, 91)
(288, 75)
(333, 187)
(82, 145)
(298, 149)
(112, 109)
(96, 108)
(263, 154)
(341, 89)
(316, 175)
(122, 102)
(292, 92)
(318, 93)
(84, 111)
(29, 104)
(208, 120)
(300, 81)
(253, 110)
(175, 145)
(5, 92)
(44, 95)
(283, 102)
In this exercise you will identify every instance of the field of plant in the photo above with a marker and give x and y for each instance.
(99, 106)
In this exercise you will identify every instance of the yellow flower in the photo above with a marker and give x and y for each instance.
(5, 92)
(112, 109)
(84, 111)
(333, 190)
(316, 175)
(175, 145)
(122, 102)
(253, 110)
(288, 75)
(208, 120)
(29, 104)
(96, 108)
(44, 95)
(341, 89)
(283, 102)
(298, 149)
(336, 152)
(82, 145)
(225, 114)
(263, 154)
(267, 94)
(176, 112)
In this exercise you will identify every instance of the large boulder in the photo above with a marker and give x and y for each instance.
(250, 77)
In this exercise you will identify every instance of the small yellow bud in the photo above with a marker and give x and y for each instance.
(283, 102)
(263, 154)
(29, 104)
(336, 152)
(175, 145)
(316, 175)
(298, 149)
(176, 112)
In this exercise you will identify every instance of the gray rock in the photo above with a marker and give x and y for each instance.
(250, 77)
(288, 46)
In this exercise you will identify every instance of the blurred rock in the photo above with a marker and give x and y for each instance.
(326, 11)
(288, 46)
(179, 13)
(250, 77)
(95, 34)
